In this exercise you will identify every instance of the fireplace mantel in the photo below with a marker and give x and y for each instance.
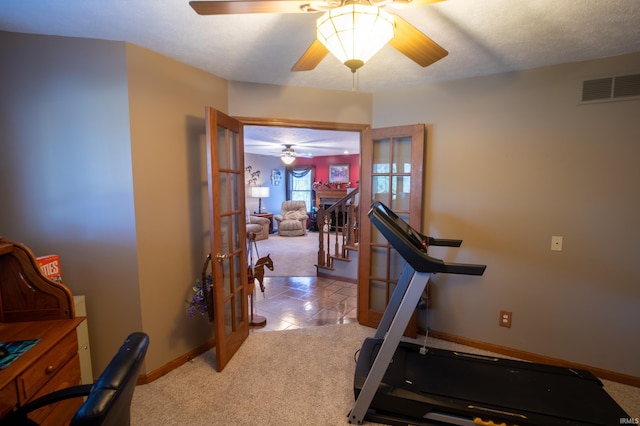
(331, 195)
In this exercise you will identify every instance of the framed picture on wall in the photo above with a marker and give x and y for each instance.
(276, 177)
(339, 173)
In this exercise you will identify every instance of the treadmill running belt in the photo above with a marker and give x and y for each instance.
(487, 387)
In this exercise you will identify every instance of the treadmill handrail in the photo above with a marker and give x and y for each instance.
(412, 245)
(443, 242)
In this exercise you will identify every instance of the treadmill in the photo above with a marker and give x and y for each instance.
(402, 383)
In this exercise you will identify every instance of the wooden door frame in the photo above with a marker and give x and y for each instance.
(319, 125)
(368, 318)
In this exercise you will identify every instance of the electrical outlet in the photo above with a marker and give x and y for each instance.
(505, 319)
(556, 243)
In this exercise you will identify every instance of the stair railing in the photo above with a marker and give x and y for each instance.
(340, 224)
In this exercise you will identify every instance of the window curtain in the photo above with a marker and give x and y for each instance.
(297, 172)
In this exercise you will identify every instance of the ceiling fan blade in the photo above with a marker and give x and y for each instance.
(404, 3)
(415, 45)
(311, 57)
(248, 6)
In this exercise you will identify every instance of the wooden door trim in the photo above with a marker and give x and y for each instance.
(320, 125)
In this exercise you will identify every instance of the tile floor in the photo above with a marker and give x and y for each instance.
(301, 302)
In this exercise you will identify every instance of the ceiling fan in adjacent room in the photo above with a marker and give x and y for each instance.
(352, 30)
(288, 155)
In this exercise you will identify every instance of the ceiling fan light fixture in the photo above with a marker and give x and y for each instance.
(287, 159)
(355, 32)
(288, 155)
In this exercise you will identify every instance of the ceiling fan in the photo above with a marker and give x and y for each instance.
(288, 155)
(364, 16)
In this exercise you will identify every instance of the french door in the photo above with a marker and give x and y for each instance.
(391, 171)
(225, 170)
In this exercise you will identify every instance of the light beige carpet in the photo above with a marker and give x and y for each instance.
(292, 256)
(291, 377)
(296, 377)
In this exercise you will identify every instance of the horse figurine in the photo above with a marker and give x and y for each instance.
(258, 270)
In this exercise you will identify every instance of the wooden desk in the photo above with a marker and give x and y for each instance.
(34, 307)
(51, 364)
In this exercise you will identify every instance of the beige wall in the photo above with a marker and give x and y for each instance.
(299, 103)
(167, 101)
(512, 159)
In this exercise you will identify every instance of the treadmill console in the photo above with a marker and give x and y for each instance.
(412, 245)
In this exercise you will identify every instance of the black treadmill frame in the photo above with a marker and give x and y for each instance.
(412, 246)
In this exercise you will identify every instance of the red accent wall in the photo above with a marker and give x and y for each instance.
(322, 166)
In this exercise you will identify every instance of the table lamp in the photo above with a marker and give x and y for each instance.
(260, 192)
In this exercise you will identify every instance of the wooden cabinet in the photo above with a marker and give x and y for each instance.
(53, 414)
(44, 368)
(33, 307)
(50, 364)
(8, 397)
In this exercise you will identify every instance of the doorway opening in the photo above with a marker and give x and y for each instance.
(292, 298)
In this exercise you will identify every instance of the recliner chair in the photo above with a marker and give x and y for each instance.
(292, 220)
(259, 226)
(108, 400)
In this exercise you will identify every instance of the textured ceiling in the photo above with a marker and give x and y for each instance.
(482, 37)
(267, 140)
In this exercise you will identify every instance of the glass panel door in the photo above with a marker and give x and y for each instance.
(392, 172)
(228, 234)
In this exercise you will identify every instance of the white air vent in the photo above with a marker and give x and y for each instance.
(611, 88)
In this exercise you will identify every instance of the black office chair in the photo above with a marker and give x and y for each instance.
(108, 399)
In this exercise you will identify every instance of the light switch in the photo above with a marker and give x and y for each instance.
(556, 243)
